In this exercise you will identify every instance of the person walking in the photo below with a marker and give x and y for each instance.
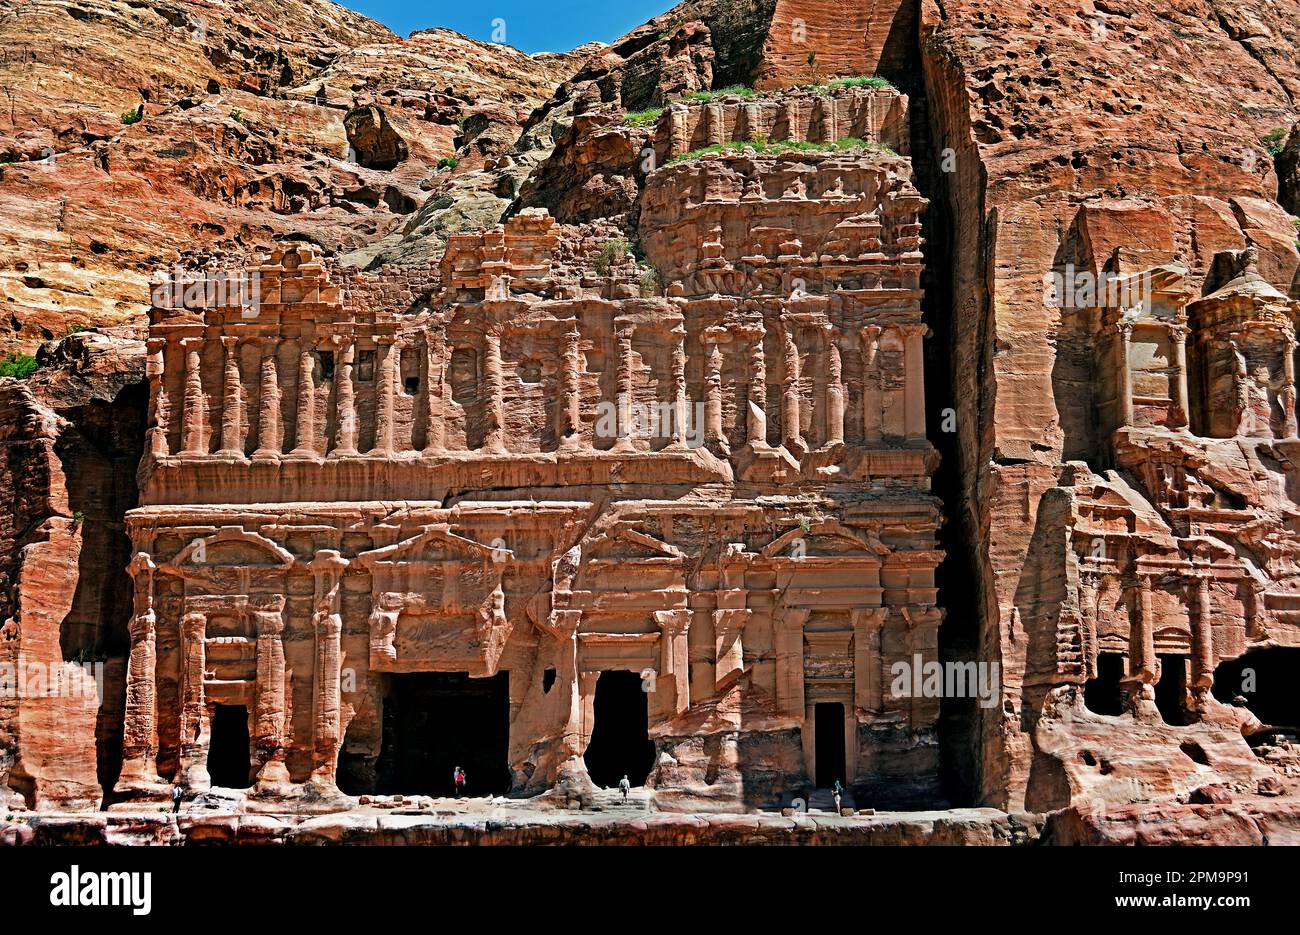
(176, 797)
(458, 777)
(624, 786)
(837, 791)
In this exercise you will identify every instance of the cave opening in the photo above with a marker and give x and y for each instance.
(1267, 679)
(1171, 690)
(828, 743)
(229, 760)
(620, 737)
(1103, 694)
(436, 721)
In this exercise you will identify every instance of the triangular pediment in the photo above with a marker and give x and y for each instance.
(436, 543)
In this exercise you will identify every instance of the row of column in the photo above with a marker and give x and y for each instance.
(833, 118)
(888, 409)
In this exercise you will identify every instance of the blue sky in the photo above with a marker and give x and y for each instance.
(530, 25)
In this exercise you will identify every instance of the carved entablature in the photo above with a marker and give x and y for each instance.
(1246, 342)
(438, 603)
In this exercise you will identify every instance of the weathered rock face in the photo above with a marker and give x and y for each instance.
(72, 441)
(447, 479)
(138, 137)
(1089, 423)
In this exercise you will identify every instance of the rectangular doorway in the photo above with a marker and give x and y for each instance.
(229, 747)
(620, 731)
(828, 736)
(436, 721)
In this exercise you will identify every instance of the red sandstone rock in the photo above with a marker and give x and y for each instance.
(1123, 467)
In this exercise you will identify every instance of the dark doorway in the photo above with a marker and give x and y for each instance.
(1267, 679)
(1171, 690)
(229, 763)
(436, 721)
(620, 736)
(1102, 695)
(828, 736)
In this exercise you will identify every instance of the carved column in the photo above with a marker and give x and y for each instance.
(385, 399)
(268, 619)
(192, 415)
(1178, 337)
(139, 742)
(268, 406)
(868, 685)
(681, 413)
(345, 428)
(158, 402)
(834, 390)
(791, 436)
(1125, 373)
(679, 132)
(1142, 653)
(305, 430)
(713, 437)
(564, 627)
(435, 409)
(674, 626)
(728, 643)
(327, 728)
(731, 616)
(756, 421)
(624, 441)
(494, 441)
(1203, 638)
(788, 626)
(571, 387)
(914, 392)
(871, 402)
(194, 770)
(232, 445)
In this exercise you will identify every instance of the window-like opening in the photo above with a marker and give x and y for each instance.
(1171, 690)
(1102, 694)
(620, 737)
(548, 681)
(326, 359)
(436, 721)
(365, 366)
(828, 746)
(411, 385)
(229, 760)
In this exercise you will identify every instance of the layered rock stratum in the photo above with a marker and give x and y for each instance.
(1089, 208)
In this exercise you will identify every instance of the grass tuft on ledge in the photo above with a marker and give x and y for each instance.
(780, 147)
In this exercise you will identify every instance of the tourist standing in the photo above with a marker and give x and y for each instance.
(176, 797)
(837, 791)
(624, 786)
(458, 777)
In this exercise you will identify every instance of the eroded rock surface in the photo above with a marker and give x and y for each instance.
(430, 461)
